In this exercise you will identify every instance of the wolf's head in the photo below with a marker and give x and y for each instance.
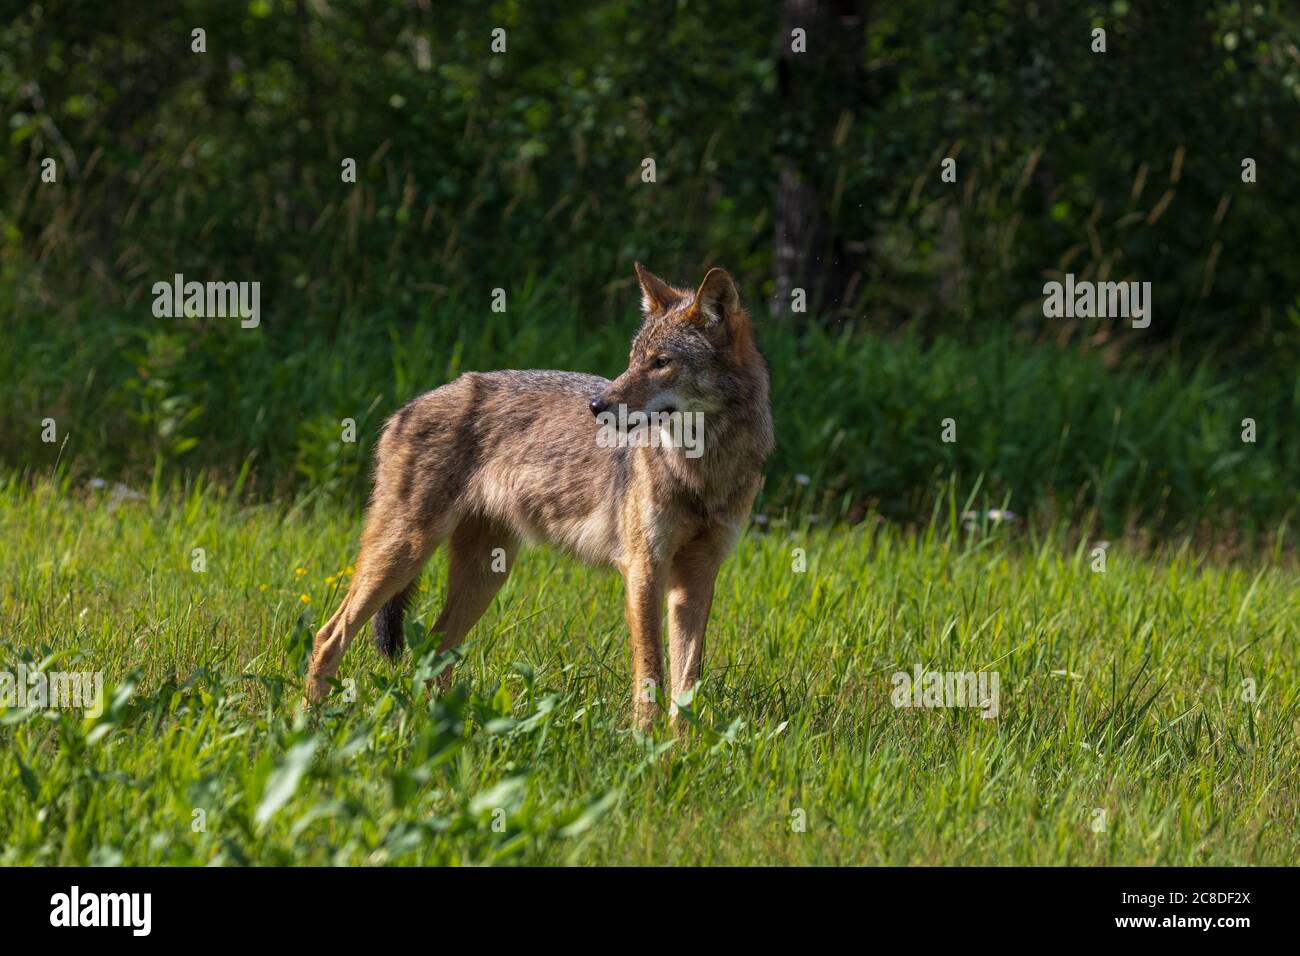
(693, 353)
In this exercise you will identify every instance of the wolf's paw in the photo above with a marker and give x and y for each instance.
(318, 688)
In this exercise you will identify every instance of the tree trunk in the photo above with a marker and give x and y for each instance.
(817, 88)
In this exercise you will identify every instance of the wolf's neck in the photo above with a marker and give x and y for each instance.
(731, 455)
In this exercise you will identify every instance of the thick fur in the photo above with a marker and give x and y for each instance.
(492, 460)
(389, 636)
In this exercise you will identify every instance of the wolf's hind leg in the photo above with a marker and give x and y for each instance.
(482, 554)
(392, 553)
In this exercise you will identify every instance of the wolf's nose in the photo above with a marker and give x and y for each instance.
(598, 405)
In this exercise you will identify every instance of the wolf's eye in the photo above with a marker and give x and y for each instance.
(661, 361)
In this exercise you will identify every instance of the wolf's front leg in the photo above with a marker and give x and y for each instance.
(690, 598)
(643, 596)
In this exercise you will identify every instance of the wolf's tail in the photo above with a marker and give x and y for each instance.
(388, 623)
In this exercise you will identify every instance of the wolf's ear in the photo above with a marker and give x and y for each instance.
(717, 303)
(656, 294)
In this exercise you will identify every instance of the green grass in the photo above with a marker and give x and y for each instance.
(1045, 431)
(1120, 691)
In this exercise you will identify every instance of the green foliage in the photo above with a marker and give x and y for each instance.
(1123, 690)
(859, 418)
(1120, 691)
(1123, 164)
(229, 162)
(521, 171)
(478, 169)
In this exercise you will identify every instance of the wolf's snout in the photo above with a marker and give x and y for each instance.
(598, 405)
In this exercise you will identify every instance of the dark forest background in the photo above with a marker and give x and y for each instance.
(522, 170)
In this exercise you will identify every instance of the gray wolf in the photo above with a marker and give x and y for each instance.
(496, 459)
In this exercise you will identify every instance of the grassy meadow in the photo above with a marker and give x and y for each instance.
(407, 197)
(1125, 733)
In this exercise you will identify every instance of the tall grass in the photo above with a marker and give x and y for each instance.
(860, 418)
(1127, 732)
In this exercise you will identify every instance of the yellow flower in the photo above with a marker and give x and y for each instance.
(330, 579)
(351, 570)
(261, 587)
(305, 599)
(300, 571)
